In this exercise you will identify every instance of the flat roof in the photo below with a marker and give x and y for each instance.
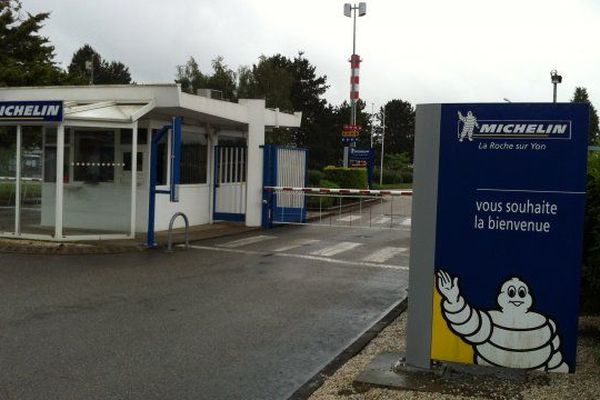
(157, 99)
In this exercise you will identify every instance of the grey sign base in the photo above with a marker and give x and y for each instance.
(448, 378)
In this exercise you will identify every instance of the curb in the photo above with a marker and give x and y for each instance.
(310, 386)
(91, 248)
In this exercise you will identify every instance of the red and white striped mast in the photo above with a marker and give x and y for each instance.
(351, 11)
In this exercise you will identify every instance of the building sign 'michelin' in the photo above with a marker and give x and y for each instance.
(43, 111)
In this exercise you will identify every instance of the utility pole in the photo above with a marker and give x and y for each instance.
(372, 125)
(351, 11)
(556, 79)
(382, 148)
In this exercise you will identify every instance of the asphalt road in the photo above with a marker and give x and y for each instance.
(246, 317)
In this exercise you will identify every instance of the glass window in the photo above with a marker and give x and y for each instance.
(193, 158)
(8, 170)
(38, 195)
(162, 158)
(127, 161)
(98, 200)
(142, 136)
(94, 158)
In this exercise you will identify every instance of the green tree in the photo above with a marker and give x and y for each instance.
(113, 72)
(581, 96)
(26, 57)
(271, 79)
(399, 127)
(190, 77)
(223, 78)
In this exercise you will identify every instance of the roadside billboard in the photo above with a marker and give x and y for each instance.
(509, 186)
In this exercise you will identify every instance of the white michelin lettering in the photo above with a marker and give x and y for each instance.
(9, 111)
(520, 128)
(488, 128)
(53, 110)
(508, 128)
(28, 111)
(18, 111)
(560, 129)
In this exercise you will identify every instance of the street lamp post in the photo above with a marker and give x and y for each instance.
(350, 11)
(372, 125)
(382, 147)
(556, 79)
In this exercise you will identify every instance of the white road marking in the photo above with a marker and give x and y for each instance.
(382, 220)
(349, 218)
(407, 222)
(384, 254)
(296, 244)
(336, 249)
(247, 241)
(301, 256)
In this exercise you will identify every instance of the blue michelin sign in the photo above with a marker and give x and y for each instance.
(509, 231)
(363, 158)
(41, 111)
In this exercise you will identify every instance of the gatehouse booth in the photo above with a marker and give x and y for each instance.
(75, 160)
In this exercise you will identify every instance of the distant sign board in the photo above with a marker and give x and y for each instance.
(507, 231)
(362, 158)
(350, 133)
(41, 111)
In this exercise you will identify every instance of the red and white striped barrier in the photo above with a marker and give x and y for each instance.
(338, 191)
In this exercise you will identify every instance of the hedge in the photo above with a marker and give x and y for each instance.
(347, 178)
(315, 177)
(316, 202)
(590, 274)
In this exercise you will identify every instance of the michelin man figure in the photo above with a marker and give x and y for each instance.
(469, 123)
(512, 337)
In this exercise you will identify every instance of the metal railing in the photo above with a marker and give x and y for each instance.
(348, 208)
(187, 230)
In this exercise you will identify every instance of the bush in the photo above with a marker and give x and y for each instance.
(590, 274)
(393, 176)
(347, 178)
(314, 202)
(315, 177)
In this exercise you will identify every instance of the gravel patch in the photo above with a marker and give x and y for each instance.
(583, 385)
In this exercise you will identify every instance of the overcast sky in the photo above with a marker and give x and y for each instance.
(421, 51)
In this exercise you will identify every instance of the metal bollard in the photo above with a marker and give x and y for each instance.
(187, 228)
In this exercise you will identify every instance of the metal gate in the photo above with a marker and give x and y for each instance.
(284, 166)
(229, 199)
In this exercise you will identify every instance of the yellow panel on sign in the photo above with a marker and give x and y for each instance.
(445, 345)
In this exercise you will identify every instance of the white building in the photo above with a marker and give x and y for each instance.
(84, 171)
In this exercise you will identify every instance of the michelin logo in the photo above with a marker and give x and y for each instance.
(30, 110)
(469, 127)
(512, 336)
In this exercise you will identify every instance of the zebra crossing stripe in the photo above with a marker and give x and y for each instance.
(247, 241)
(382, 220)
(336, 249)
(296, 244)
(349, 218)
(384, 254)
